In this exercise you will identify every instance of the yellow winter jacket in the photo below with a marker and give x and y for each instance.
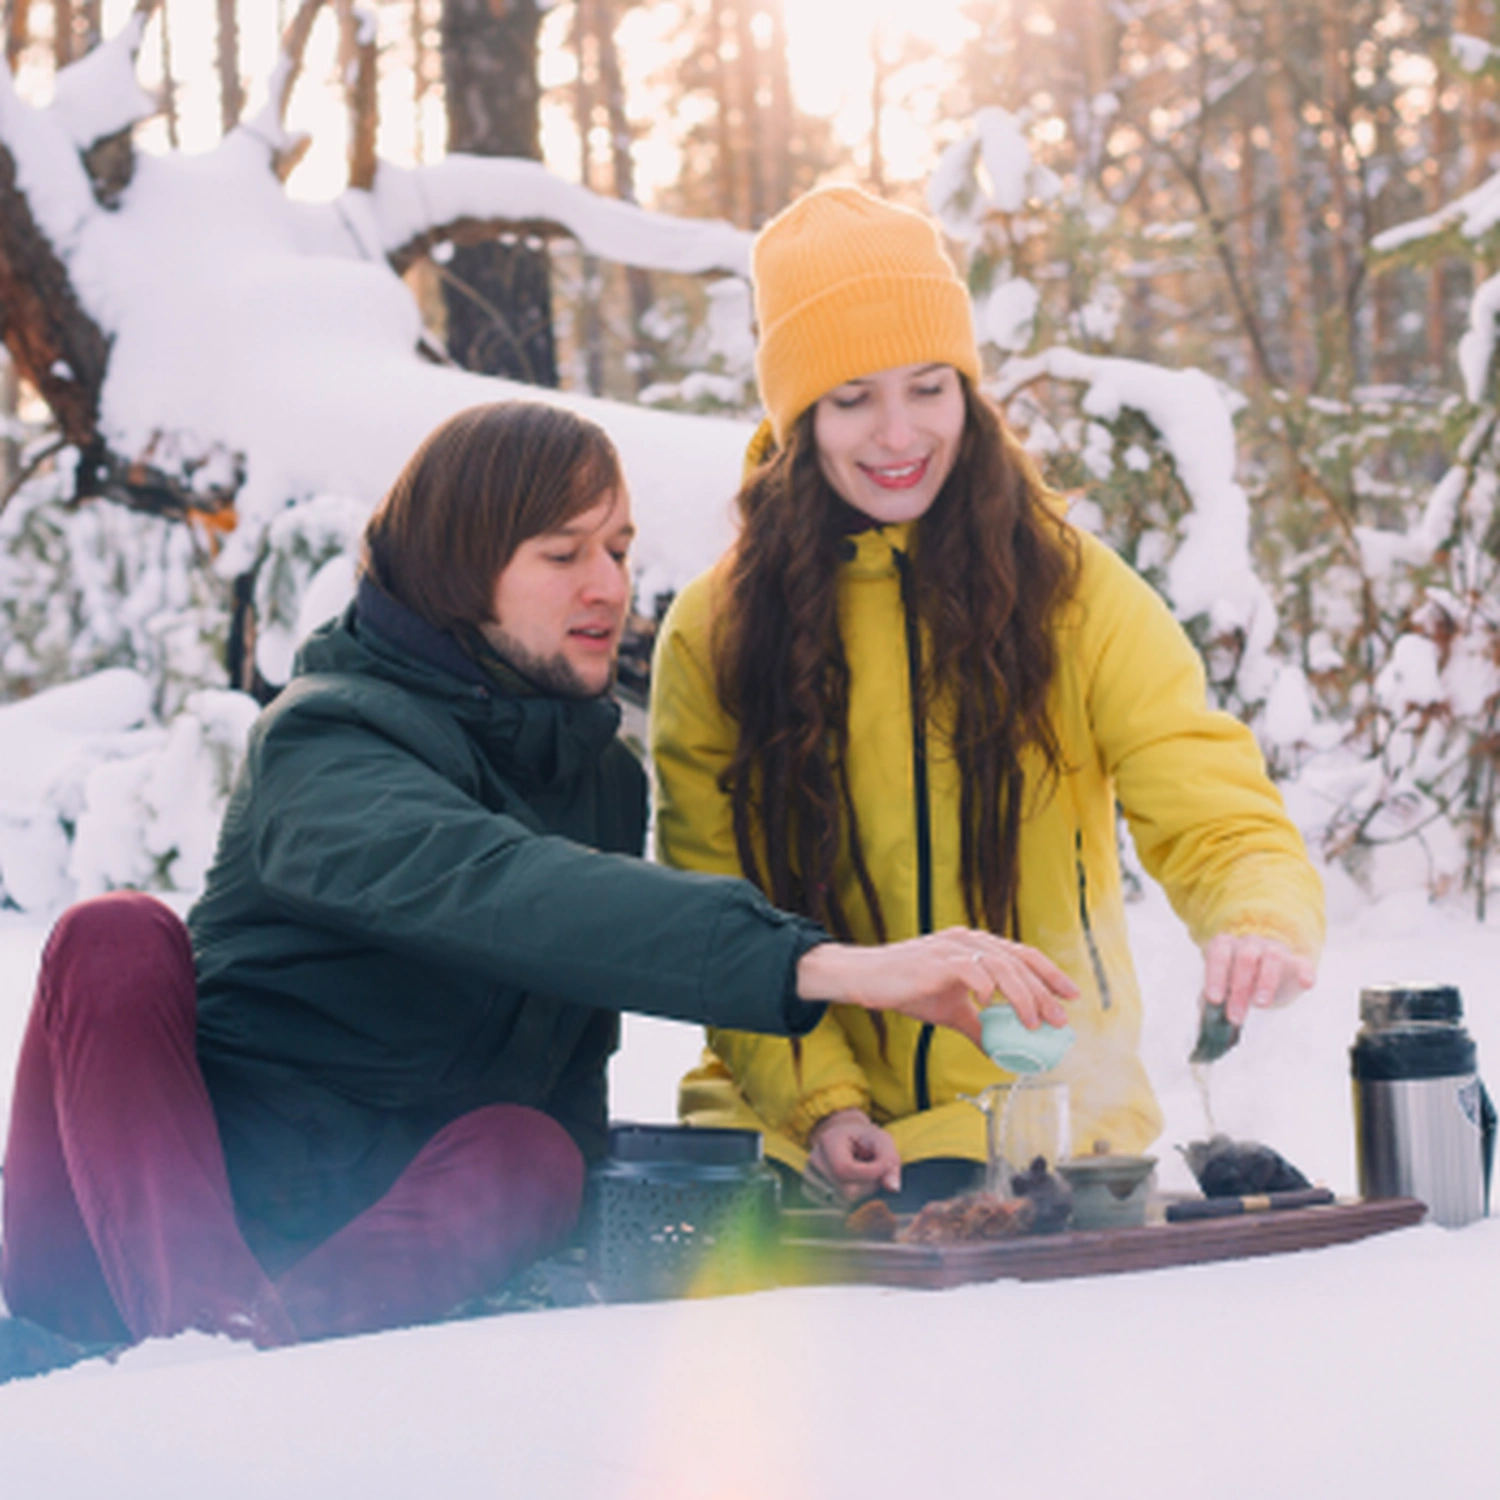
(1128, 706)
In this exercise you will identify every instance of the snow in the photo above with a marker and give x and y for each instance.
(49, 746)
(48, 168)
(1288, 715)
(1476, 349)
(1366, 1369)
(1007, 158)
(1009, 314)
(1211, 572)
(1381, 550)
(98, 96)
(143, 799)
(961, 201)
(1099, 318)
(1361, 1369)
(1473, 54)
(1412, 677)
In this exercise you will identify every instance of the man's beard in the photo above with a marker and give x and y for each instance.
(552, 674)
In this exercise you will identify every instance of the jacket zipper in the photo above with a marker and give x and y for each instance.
(1095, 958)
(921, 806)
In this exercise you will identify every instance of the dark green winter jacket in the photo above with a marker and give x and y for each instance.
(426, 899)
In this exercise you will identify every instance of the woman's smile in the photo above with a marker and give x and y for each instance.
(899, 476)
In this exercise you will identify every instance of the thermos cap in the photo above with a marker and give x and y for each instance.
(1403, 1004)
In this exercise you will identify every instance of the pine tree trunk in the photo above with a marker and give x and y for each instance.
(17, 30)
(62, 33)
(168, 80)
(1334, 27)
(231, 90)
(1101, 46)
(779, 120)
(1245, 216)
(1435, 194)
(1475, 18)
(361, 89)
(419, 78)
(1386, 304)
(586, 26)
(1477, 127)
(498, 296)
(729, 165)
(88, 26)
(1298, 299)
(747, 88)
(622, 162)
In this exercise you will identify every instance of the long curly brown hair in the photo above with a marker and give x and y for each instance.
(990, 565)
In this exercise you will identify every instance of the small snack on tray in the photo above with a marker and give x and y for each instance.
(968, 1218)
(1236, 1169)
(1050, 1197)
(872, 1220)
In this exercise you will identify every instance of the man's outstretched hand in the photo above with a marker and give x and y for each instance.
(944, 978)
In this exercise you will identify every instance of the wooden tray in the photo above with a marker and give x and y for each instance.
(810, 1257)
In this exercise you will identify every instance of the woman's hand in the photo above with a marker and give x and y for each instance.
(942, 977)
(1242, 971)
(849, 1155)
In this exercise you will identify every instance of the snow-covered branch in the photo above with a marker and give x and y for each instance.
(97, 96)
(465, 197)
(268, 125)
(53, 341)
(357, 28)
(1211, 573)
(1473, 216)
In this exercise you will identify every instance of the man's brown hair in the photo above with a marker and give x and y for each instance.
(485, 481)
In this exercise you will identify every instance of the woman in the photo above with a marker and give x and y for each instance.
(909, 697)
(376, 1096)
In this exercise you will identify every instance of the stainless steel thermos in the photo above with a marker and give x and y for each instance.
(1424, 1125)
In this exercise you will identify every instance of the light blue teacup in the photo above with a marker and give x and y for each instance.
(1012, 1047)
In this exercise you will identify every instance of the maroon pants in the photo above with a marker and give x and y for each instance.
(118, 1220)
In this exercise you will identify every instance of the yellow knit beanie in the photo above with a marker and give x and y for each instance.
(848, 285)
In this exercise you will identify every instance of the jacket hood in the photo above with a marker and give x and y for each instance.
(543, 738)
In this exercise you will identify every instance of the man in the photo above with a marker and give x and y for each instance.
(374, 1098)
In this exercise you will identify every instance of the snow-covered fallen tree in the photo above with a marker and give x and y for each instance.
(212, 348)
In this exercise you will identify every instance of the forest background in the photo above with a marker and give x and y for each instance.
(1232, 265)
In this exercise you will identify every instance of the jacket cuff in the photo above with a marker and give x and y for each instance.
(818, 1106)
(1304, 942)
(802, 1015)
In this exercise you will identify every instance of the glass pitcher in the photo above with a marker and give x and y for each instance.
(1026, 1118)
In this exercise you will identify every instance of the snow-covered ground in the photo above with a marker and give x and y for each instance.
(1370, 1369)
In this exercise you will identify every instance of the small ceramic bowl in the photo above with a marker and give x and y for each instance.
(1109, 1192)
(1012, 1047)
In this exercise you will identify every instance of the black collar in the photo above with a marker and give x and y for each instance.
(392, 620)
